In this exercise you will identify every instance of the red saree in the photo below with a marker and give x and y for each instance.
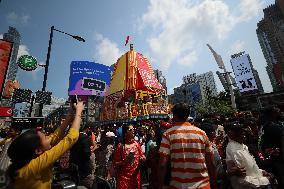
(128, 176)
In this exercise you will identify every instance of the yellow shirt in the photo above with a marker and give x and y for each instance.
(37, 174)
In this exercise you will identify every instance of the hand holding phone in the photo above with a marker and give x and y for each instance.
(74, 101)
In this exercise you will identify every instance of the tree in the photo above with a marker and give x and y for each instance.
(215, 105)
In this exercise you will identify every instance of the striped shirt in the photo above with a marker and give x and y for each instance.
(186, 145)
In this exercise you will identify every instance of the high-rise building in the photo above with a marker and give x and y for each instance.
(257, 80)
(161, 78)
(270, 33)
(195, 88)
(207, 85)
(12, 36)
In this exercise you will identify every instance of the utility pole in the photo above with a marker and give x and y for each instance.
(221, 65)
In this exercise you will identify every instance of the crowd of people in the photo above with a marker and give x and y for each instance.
(234, 151)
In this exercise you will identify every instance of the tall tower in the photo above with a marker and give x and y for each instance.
(207, 85)
(12, 36)
(270, 33)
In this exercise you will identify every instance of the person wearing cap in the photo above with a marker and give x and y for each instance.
(237, 154)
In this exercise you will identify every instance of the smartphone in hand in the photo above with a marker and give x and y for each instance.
(74, 100)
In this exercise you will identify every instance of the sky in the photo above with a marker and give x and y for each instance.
(172, 33)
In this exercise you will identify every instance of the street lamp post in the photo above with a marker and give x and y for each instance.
(221, 65)
(48, 57)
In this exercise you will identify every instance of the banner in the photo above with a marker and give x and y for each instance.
(6, 112)
(147, 75)
(243, 73)
(10, 87)
(89, 78)
(5, 54)
(27, 122)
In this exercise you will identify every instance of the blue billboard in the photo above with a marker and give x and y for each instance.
(89, 78)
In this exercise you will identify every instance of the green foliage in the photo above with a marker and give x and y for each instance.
(215, 105)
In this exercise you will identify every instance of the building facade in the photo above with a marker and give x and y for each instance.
(12, 36)
(195, 89)
(162, 80)
(270, 33)
(207, 85)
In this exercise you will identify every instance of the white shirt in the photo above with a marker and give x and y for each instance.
(239, 154)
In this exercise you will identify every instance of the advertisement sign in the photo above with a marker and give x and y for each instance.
(27, 122)
(243, 73)
(89, 78)
(6, 112)
(10, 87)
(27, 63)
(5, 53)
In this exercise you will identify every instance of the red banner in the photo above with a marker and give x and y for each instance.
(146, 73)
(5, 53)
(6, 112)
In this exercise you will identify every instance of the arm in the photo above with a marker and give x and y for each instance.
(162, 168)
(211, 170)
(46, 159)
(118, 159)
(141, 154)
(58, 133)
(164, 158)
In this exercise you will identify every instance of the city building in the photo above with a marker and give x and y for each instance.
(161, 78)
(12, 36)
(187, 93)
(257, 80)
(270, 33)
(207, 85)
(195, 89)
(55, 103)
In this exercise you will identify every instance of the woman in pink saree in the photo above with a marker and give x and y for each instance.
(127, 158)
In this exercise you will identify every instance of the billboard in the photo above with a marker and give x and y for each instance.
(10, 87)
(6, 112)
(243, 73)
(89, 78)
(5, 53)
(27, 122)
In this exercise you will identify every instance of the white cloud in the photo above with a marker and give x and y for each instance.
(179, 27)
(107, 51)
(189, 59)
(15, 19)
(250, 9)
(34, 72)
(23, 50)
(237, 47)
(1, 36)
